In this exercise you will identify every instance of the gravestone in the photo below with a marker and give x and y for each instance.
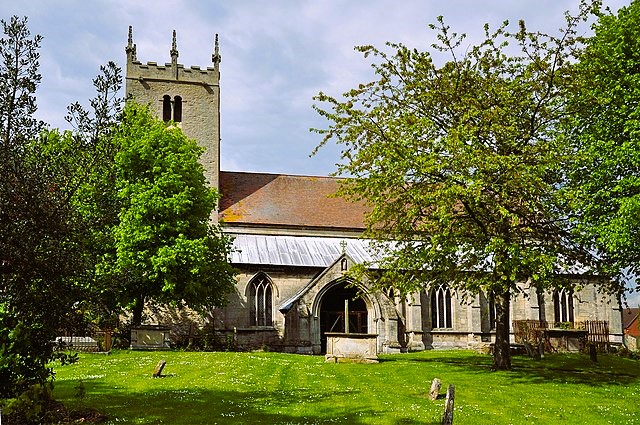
(447, 419)
(158, 370)
(435, 389)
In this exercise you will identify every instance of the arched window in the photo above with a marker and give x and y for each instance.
(563, 305)
(177, 109)
(344, 265)
(441, 308)
(166, 108)
(492, 311)
(260, 301)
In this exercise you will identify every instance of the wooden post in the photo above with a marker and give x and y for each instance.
(593, 353)
(107, 339)
(346, 316)
(447, 419)
(158, 370)
(435, 389)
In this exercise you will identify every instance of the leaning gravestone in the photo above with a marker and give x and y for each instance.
(158, 370)
(435, 389)
(447, 419)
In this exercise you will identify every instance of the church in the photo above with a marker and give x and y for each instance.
(294, 244)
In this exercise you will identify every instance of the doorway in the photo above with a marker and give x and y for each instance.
(335, 302)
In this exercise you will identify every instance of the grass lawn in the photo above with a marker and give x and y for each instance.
(274, 388)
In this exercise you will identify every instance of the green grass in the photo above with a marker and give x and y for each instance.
(273, 388)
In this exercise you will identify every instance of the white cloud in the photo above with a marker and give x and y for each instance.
(275, 56)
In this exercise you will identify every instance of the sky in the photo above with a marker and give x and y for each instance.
(276, 55)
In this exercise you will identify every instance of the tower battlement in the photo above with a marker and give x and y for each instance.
(209, 76)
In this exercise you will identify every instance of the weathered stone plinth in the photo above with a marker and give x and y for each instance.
(350, 347)
(150, 337)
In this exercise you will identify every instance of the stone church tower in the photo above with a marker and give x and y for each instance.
(188, 96)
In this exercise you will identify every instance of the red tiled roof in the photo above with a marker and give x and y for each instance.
(630, 321)
(285, 200)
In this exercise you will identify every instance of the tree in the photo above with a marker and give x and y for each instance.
(89, 156)
(37, 226)
(461, 163)
(164, 247)
(605, 131)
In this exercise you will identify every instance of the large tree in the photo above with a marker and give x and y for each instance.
(456, 151)
(38, 243)
(165, 247)
(605, 129)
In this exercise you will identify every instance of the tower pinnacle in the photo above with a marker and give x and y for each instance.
(130, 50)
(216, 58)
(174, 50)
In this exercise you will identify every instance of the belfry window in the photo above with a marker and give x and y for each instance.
(260, 301)
(563, 306)
(166, 108)
(177, 109)
(441, 308)
(171, 110)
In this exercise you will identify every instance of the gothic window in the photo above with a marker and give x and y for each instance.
(441, 308)
(260, 301)
(166, 108)
(492, 311)
(177, 109)
(563, 305)
(542, 317)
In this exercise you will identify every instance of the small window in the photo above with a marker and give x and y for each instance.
(441, 308)
(542, 317)
(166, 108)
(344, 265)
(260, 301)
(563, 306)
(177, 109)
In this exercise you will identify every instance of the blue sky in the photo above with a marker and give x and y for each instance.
(275, 56)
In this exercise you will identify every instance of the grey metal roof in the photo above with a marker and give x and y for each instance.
(311, 251)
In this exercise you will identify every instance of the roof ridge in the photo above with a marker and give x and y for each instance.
(283, 175)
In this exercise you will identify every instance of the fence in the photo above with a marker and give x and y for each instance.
(597, 333)
(93, 340)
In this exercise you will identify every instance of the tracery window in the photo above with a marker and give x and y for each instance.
(260, 301)
(441, 308)
(563, 305)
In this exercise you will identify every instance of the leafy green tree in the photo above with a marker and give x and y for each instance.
(89, 155)
(37, 226)
(605, 130)
(165, 247)
(461, 165)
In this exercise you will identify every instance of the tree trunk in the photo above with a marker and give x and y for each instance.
(138, 307)
(501, 351)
